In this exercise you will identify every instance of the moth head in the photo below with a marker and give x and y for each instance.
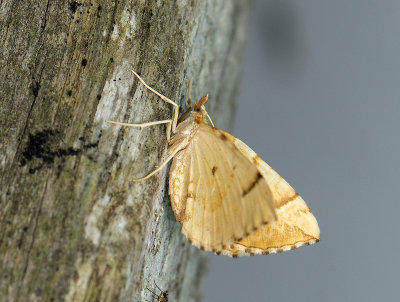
(199, 110)
(163, 297)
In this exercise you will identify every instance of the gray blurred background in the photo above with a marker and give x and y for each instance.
(320, 102)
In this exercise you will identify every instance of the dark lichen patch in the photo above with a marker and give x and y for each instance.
(73, 6)
(40, 147)
(35, 88)
(37, 147)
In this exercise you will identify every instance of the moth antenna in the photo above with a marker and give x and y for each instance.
(189, 93)
(153, 293)
(207, 115)
(190, 108)
(157, 286)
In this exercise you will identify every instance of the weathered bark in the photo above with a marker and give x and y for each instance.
(73, 227)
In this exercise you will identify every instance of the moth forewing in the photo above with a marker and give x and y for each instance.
(217, 194)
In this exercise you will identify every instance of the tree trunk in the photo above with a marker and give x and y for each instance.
(73, 226)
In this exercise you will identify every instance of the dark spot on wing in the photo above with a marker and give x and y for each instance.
(214, 169)
(224, 137)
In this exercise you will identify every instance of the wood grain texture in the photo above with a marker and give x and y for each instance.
(73, 227)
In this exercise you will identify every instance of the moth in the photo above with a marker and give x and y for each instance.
(226, 198)
(162, 297)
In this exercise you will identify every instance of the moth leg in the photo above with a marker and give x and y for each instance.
(208, 116)
(165, 99)
(144, 125)
(189, 93)
(164, 163)
(157, 286)
(155, 296)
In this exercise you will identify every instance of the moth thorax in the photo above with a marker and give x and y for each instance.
(187, 127)
(199, 117)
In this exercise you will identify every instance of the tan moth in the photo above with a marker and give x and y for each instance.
(226, 198)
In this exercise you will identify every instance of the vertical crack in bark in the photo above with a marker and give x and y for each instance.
(27, 119)
(45, 17)
(35, 223)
